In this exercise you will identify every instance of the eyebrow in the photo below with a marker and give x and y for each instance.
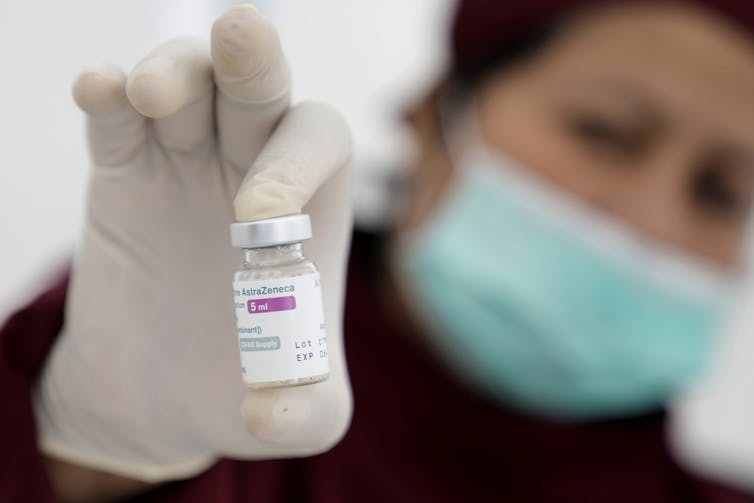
(740, 153)
(626, 91)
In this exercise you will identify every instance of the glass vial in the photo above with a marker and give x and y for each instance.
(278, 302)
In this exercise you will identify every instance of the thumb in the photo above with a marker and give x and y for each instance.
(310, 145)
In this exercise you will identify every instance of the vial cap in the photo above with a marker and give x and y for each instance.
(271, 231)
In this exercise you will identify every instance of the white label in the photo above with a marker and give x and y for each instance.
(281, 328)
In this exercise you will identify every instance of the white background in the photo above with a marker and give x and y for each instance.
(365, 57)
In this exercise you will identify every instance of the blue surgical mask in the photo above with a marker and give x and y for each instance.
(545, 304)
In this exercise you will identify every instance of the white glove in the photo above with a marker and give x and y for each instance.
(145, 379)
(712, 424)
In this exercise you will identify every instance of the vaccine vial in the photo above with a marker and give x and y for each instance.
(278, 302)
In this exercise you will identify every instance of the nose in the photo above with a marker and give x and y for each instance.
(653, 198)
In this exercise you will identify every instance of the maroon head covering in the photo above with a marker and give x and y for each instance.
(483, 29)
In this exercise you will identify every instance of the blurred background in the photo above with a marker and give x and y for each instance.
(367, 58)
(393, 49)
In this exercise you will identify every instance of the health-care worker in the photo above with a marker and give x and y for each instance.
(570, 235)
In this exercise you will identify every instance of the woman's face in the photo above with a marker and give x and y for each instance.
(644, 111)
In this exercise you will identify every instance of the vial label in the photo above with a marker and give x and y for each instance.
(281, 328)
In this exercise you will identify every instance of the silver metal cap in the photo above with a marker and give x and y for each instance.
(271, 231)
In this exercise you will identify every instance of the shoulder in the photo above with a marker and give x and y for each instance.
(25, 340)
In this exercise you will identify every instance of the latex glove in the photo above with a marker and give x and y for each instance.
(711, 424)
(145, 379)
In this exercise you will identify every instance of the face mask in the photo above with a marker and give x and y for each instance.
(544, 304)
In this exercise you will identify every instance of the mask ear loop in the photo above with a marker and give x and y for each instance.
(458, 123)
(454, 113)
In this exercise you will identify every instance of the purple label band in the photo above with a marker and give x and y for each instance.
(272, 304)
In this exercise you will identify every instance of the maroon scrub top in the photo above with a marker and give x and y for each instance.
(417, 434)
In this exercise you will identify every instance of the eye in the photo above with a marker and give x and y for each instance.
(719, 193)
(608, 135)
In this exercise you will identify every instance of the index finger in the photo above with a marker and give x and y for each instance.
(253, 80)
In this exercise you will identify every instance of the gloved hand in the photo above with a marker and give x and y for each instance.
(711, 423)
(145, 379)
